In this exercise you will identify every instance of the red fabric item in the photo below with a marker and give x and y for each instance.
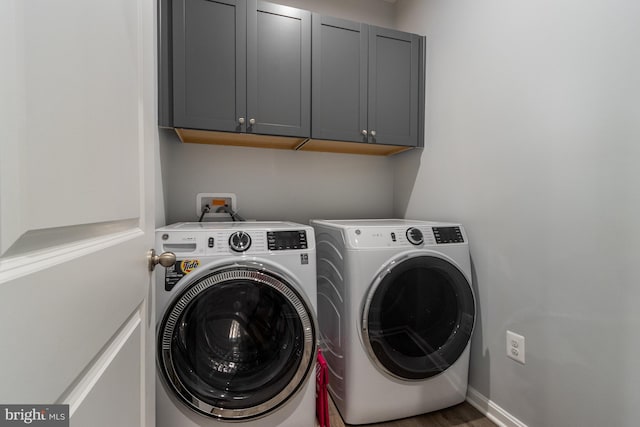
(322, 398)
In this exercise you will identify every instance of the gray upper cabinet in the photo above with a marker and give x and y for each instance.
(241, 66)
(339, 79)
(209, 64)
(279, 70)
(266, 75)
(366, 83)
(394, 69)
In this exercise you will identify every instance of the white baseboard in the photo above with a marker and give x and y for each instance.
(492, 411)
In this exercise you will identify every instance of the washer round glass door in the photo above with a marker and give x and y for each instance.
(418, 317)
(237, 343)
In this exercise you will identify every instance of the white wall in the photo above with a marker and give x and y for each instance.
(533, 143)
(375, 12)
(279, 184)
(275, 184)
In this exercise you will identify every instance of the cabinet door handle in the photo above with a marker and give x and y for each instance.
(373, 133)
(241, 120)
(252, 122)
(364, 132)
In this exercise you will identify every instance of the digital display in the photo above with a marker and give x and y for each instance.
(283, 240)
(448, 235)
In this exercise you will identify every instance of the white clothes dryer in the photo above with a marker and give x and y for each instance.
(236, 325)
(396, 312)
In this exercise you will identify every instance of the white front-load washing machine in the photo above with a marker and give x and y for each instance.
(236, 325)
(396, 312)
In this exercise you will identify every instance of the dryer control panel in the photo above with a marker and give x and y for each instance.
(416, 237)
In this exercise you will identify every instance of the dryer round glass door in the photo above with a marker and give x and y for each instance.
(418, 318)
(237, 343)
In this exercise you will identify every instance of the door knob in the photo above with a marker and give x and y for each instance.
(252, 122)
(241, 120)
(165, 259)
(364, 132)
(373, 133)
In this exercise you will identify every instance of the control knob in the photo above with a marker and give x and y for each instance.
(415, 236)
(240, 241)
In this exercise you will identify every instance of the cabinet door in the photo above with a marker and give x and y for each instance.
(394, 69)
(339, 87)
(209, 67)
(278, 69)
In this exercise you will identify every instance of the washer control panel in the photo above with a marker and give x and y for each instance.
(239, 242)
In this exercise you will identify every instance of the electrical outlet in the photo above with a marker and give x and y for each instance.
(515, 347)
(215, 201)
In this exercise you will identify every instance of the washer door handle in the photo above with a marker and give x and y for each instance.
(165, 259)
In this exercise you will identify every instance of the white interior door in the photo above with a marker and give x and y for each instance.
(77, 134)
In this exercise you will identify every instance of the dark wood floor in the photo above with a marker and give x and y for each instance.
(462, 415)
